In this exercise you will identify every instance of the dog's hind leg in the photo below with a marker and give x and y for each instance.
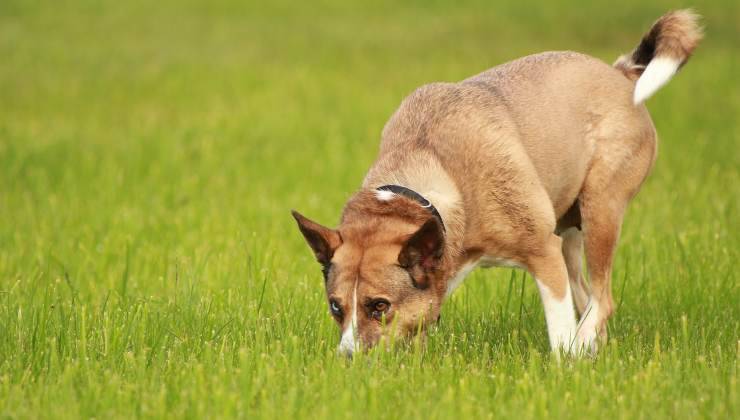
(614, 178)
(569, 229)
(602, 227)
(573, 255)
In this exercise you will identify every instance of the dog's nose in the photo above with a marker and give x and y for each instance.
(345, 352)
(348, 342)
(346, 348)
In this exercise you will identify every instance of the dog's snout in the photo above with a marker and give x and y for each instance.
(348, 343)
(345, 352)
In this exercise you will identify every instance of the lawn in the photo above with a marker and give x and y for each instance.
(150, 153)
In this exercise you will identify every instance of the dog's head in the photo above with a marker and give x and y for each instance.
(383, 268)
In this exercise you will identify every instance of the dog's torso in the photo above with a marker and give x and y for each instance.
(520, 136)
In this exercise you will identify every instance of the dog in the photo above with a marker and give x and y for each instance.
(527, 165)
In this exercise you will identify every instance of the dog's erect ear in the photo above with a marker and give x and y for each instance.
(321, 239)
(424, 248)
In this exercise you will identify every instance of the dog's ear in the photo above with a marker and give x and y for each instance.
(321, 239)
(422, 251)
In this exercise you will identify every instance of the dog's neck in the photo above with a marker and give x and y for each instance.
(426, 176)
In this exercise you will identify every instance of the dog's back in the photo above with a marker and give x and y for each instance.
(545, 112)
(558, 108)
(564, 104)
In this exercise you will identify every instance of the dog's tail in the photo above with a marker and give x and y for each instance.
(661, 52)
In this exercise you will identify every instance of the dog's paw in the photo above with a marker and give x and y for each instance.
(587, 342)
(587, 334)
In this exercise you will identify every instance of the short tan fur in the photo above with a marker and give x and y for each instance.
(529, 164)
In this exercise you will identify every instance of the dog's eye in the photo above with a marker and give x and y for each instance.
(378, 308)
(335, 309)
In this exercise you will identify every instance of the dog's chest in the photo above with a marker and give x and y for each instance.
(485, 262)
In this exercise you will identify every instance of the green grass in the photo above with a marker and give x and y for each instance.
(150, 153)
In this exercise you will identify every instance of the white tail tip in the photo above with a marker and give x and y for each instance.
(657, 73)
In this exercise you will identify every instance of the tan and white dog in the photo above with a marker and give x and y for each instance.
(525, 165)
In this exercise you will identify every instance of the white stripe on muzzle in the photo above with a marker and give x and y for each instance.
(348, 343)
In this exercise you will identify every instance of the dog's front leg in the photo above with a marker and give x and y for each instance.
(551, 274)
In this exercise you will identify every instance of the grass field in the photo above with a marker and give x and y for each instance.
(150, 153)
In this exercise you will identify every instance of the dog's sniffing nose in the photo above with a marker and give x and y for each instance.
(348, 343)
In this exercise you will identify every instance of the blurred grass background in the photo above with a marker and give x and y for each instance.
(150, 154)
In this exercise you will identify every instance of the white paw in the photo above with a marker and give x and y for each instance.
(587, 335)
